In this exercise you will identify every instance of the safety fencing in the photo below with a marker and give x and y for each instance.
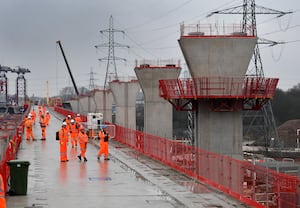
(66, 112)
(11, 131)
(252, 184)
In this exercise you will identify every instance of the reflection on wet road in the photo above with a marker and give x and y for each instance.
(94, 183)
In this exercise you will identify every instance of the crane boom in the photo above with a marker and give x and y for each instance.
(73, 81)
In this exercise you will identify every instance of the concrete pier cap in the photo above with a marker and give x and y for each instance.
(211, 51)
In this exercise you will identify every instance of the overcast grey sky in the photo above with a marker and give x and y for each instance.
(29, 30)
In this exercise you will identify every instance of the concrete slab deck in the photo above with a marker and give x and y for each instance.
(127, 180)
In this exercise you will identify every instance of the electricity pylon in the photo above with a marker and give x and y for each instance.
(111, 69)
(260, 121)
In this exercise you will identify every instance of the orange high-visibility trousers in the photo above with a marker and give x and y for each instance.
(103, 149)
(83, 140)
(29, 134)
(73, 136)
(83, 149)
(43, 132)
(63, 151)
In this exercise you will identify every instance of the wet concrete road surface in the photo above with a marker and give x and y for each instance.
(127, 180)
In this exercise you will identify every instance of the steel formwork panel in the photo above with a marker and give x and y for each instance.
(219, 89)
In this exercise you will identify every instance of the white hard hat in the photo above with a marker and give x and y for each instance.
(78, 114)
(72, 121)
(29, 116)
(64, 124)
(69, 116)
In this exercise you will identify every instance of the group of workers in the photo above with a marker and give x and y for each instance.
(43, 119)
(74, 130)
(71, 130)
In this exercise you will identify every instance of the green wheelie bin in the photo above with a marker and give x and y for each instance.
(18, 177)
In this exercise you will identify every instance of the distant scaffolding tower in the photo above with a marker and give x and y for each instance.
(259, 123)
(111, 74)
(21, 85)
(3, 84)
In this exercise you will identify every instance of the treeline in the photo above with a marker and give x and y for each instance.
(286, 105)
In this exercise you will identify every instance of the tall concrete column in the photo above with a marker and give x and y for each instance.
(82, 105)
(158, 113)
(100, 101)
(104, 101)
(124, 94)
(218, 131)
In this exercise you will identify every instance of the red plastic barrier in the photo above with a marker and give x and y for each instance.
(66, 112)
(254, 185)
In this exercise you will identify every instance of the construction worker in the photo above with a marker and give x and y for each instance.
(48, 117)
(103, 135)
(28, 124)
(43, 124)
(63, 142)
(2, 194)
(74, 130)
(83, 140)
(78, 119)
(33, 115)
(40, 113)
(68, 121)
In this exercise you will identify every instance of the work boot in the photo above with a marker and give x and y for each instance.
(85, 160)
(106, 158)
(79, 157)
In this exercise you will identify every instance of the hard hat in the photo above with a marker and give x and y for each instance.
(29, 116)
(78, 114)
(47, 111)
(72, 121)
(69, 116)
(64, 124)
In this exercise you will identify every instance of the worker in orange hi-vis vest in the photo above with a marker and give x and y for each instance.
(78, 119)
(74, 130)
(40, 113)
(33, 115)
(104, 138)
(2, 193)
(43, 124)
(68, 121)
(48, 117)
(63, 135)
(28, 124)
(83, 140)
